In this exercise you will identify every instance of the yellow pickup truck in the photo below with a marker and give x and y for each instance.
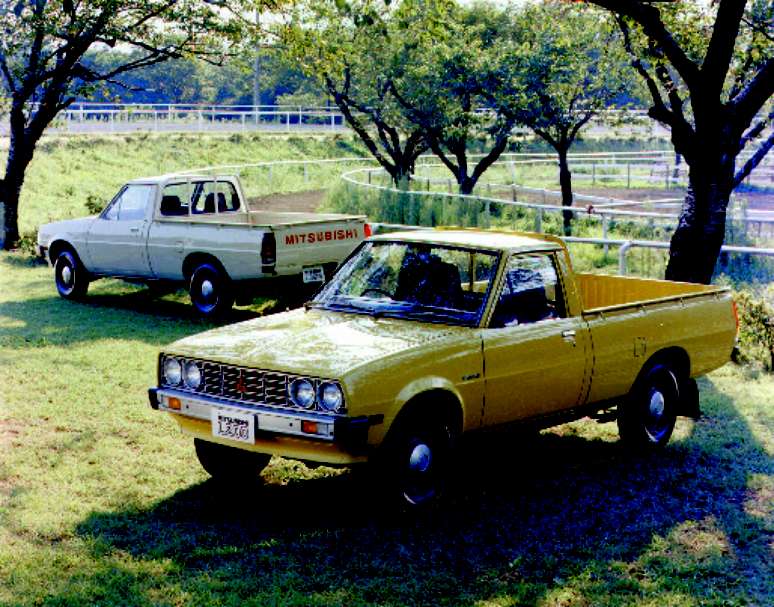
(421, 336)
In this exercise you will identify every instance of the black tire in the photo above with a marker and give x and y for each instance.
(227, 464)
(210, 290)
(647, 418)
(70, 277)
(416, 461)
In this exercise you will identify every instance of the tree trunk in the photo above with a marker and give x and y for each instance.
(466, 183)
(19, 157)
(700, 232)
(565, 183)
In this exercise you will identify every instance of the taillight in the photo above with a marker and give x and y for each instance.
(736, 314)
(367, 231)
(269, 249)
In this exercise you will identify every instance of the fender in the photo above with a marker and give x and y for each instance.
(417, 388)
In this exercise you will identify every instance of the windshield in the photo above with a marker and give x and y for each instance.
(416, 281)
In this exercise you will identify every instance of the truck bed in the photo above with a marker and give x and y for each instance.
(599, 292)
(264, 219)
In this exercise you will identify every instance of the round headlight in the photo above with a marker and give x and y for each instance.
(302, 393)
(192, 375)
(173, 371)
(331, 398)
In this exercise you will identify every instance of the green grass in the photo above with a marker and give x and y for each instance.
(67, 172)
(102, 501)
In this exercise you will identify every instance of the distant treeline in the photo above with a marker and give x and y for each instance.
(191, 80)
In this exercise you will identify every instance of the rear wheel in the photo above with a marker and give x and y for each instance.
(210, 290)
(71, 278)
(225, 463)
(647, 419)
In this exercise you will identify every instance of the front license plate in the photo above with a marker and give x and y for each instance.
(233, 425)
(315, 274)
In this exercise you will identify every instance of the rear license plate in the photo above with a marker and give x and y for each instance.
(233, 425)
(315, 274)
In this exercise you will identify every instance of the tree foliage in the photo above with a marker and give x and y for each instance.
(559, 67)
(441, 83)
(351, 48)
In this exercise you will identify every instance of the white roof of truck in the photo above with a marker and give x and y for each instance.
(477, 239)
(163, 179)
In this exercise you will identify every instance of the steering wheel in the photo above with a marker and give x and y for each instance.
(376, 290)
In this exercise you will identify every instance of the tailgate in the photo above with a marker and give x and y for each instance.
(319, 242)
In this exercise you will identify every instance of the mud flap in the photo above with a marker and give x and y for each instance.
(689, 399)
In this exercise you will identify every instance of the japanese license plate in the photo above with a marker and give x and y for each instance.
(233, 425)
(315, 274)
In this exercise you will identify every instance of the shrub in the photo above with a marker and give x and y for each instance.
(756, 328)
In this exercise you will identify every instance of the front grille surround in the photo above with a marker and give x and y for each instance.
(244, 385)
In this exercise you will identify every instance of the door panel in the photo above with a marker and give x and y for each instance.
(117, 239)
(536, 357)
(534, 369)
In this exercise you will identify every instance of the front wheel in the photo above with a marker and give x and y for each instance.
(416, 462)
(227, 464)
(210, 290)
(647, 419)
(71, 278)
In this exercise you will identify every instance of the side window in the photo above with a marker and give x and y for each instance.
(131, 204)
(531, 292)
(230, 202)
(175, 200)
(214, 197)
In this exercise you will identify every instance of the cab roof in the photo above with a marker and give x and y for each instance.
(477, 239)
(164, 179)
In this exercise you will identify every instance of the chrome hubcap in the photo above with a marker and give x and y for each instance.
(207, 289)
(657, 404)
(67, 275)
(420, 458)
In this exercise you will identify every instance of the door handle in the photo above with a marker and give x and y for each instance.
(134, 230)
(569, 336)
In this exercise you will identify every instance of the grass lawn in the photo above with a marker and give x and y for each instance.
(102, 500)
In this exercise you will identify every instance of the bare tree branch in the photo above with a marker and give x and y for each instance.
(649, 18)
(721, 46)
(754, 160)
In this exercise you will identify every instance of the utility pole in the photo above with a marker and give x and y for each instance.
(257, 69)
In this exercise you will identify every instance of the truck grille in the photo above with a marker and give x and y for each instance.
(239, 383)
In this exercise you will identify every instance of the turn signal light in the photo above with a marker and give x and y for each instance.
(173, 403)
(309, 427)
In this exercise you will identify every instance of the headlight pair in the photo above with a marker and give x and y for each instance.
(328, 395)
(176, 371)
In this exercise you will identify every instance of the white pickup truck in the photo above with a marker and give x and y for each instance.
(196, 231)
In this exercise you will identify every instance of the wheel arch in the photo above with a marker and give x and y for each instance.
(674, 357)
(61, 244)
(197, 258)
(439, 401)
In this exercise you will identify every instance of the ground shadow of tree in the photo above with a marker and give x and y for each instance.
(531, 515)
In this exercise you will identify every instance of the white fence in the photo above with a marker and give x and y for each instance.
(89, 117)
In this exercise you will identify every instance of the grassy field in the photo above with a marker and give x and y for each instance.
(102, 500)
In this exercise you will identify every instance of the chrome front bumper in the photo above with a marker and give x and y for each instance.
(351, 433)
